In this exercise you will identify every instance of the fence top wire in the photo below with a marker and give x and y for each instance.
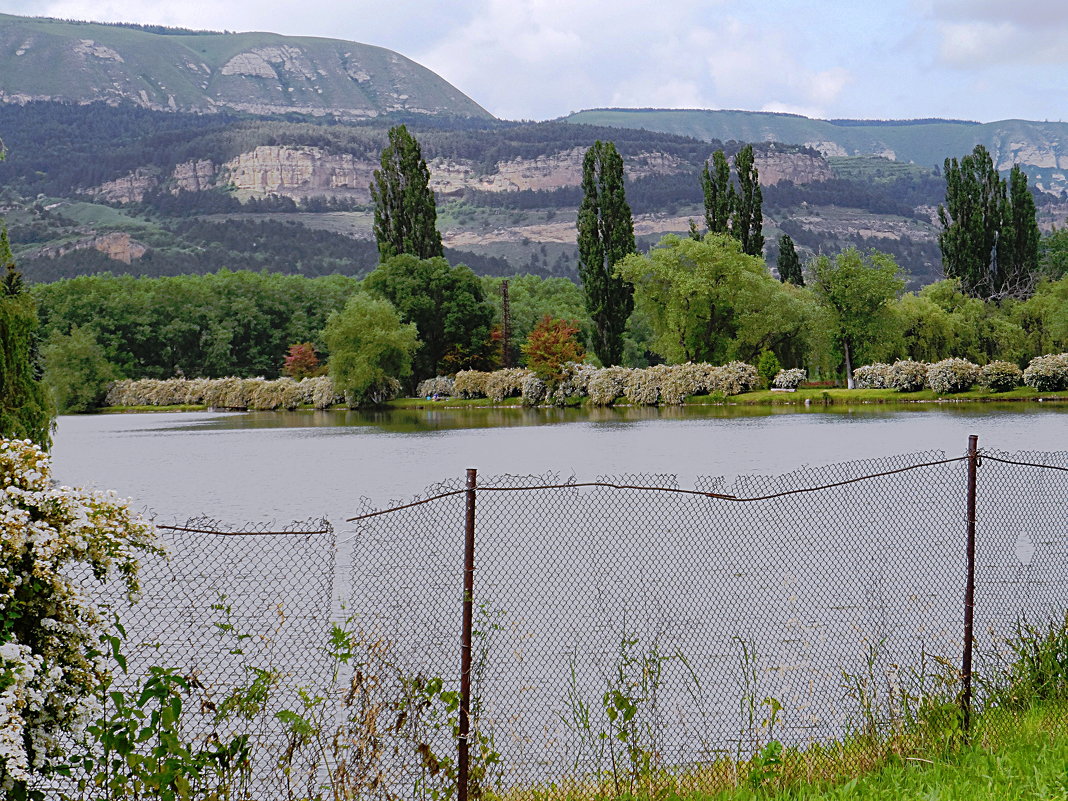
(676, 490)
(209, 525)
(992, 458)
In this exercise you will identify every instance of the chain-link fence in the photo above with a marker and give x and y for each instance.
(627, 627)
(619, 628)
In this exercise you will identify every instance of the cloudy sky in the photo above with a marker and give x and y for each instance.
(538, 59)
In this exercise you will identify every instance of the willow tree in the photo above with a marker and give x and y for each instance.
(605, 236)
(405, 216)
(25, 409)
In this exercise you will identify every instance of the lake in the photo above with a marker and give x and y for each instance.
(282, 466)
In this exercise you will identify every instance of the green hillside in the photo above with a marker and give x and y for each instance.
(258, 73)
(1041, 148)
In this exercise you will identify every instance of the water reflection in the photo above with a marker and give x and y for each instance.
(433, 417)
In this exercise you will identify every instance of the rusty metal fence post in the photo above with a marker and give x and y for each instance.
(969, 590)
(464, 727)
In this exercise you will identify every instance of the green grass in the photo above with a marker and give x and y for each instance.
(1021, 757)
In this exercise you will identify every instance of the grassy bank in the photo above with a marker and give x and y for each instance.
(1022, 758)
(802, 398)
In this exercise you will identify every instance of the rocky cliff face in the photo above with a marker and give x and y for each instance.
(300, 172)
(119, 246)
(774, 166)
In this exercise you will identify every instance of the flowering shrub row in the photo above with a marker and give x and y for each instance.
(50, 641)
(225, 393)
(663, 384)
(1044, 373)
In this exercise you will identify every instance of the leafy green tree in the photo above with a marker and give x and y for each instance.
(1053, 254)
(718, 193)
(708, 301)
(981, 331)
(26, 411)
(77, 371)
(789, 262)
(405, 212)
(747, 218)
(857, 291)
(446, 305)
(605, 236)
(370, 350)
(1043, 318)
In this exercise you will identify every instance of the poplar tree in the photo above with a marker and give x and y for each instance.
(1017, 251)
(25, 409)
(971, 221)
(605, 236)
(789, 263)
(747, 220)
(405, 214)
(719, 194)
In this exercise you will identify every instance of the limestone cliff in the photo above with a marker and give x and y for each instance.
(298, 172)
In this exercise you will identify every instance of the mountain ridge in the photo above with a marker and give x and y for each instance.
(1040, 148)
(257, 73)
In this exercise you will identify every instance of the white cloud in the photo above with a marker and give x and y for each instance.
(984, 33)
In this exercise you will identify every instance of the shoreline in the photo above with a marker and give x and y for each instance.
(806, 399)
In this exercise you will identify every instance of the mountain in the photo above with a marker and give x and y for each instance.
(202, 71)
(1040, 148)
(91, 188)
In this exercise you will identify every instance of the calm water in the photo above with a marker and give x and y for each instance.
(283, 466)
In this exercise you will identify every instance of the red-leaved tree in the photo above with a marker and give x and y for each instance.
(552, 344)
(301, 361)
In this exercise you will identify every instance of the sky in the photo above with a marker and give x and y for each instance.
(981, 60)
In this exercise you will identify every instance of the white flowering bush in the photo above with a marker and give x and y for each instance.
(733, 378)
(319, 391)
(642, 387)
(50, 630)
(998, 376)
(872, 376)
(906, 375)
(227, 393)
(439, 386)
(507, 383)
(470, 384)
(606, 385)
(534, 390)
(574, 382)
(1047, 373)
(952, 375)
(789, 379)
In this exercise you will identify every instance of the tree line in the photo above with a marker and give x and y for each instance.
(708, 297)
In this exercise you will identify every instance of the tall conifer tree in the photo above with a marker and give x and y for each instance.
(747, 220)
(789, 263)
(719, 194)
(1017, 251)
(405, 213)
(971, 221)
(605, 235)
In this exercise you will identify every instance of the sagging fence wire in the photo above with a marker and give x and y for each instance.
(619, 629)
